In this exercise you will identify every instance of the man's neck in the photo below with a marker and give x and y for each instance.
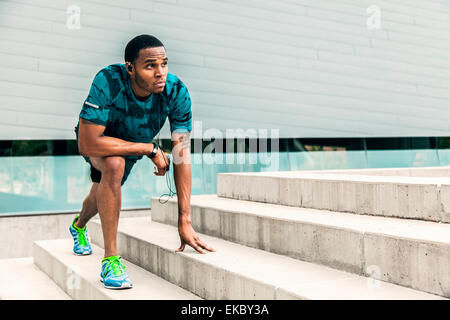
(139, 93)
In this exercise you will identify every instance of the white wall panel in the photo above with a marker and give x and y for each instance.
(310, 68)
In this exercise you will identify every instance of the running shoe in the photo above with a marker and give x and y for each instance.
(113, 274)
(81, 245)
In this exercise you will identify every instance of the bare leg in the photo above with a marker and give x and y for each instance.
(89, 209)
(109, 200)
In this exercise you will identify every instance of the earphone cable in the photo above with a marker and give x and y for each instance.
(171, 193)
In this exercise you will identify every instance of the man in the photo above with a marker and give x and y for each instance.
(126, 107)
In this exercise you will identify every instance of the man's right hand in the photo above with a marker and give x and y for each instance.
(162, 163)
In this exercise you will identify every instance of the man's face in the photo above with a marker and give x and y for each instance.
(150, 70)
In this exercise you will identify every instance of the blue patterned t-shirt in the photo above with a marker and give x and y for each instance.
(111, 103)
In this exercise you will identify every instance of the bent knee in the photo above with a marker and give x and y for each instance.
(113, 166)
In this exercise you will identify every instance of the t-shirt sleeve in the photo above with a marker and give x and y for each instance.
(180, 116)
(97, 104)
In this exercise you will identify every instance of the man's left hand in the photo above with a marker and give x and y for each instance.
(188, 236)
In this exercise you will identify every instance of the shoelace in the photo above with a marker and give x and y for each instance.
(82, 237)
(116, 266)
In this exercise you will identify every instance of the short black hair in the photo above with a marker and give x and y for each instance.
(140, 42)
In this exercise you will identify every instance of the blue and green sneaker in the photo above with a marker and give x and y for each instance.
(113, 274)
(81, 245)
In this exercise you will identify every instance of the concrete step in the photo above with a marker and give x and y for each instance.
(79, 276)
(443, 171)
(235, 271)
(424, 198)
(410, 253)
(21, 280)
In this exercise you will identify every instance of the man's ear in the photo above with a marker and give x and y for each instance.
(129, 67)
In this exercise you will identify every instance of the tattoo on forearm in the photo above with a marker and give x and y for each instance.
(181, 150)
(185, 140)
